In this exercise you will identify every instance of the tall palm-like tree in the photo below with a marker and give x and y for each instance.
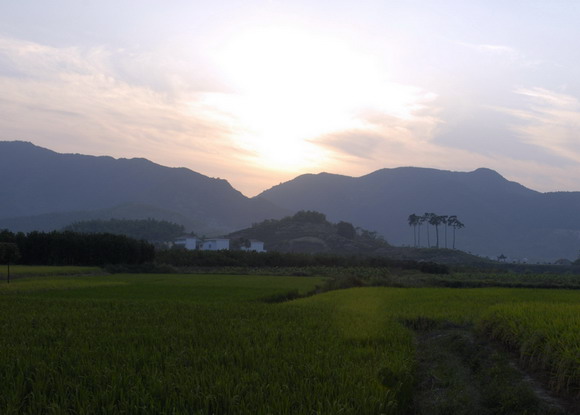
(444, 219)
(435, 220)
(427, 218)
(414, 222)
(420, 221)
(455, 224)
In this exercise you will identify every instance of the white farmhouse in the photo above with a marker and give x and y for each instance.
(256, 246)
(214, 244)
(188, 242)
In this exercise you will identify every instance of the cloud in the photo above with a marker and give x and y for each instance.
(504, 52)
(76, 99)
(550, 121)
(125, 104)
(391, 141)
(359, 144)
(490, 49)
(403, 125)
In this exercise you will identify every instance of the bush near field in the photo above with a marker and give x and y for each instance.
(225, 258)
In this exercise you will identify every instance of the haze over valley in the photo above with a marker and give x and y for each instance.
(49, 190)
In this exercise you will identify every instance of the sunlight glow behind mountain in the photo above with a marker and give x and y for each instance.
(258, 92)
(292, 86)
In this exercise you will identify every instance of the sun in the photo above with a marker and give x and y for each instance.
(291, 86)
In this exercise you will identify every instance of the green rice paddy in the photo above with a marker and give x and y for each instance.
(208, 344)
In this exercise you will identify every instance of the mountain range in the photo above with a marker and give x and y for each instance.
(501, 217)
(43, 190)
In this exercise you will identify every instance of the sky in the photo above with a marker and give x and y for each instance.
(258, 92)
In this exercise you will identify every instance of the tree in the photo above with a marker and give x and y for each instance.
(309, 216)
(435, 220)
(414, 221)
(428, 217)
(346, 230)
(420, 221)
(240, 243)
(147, 229)
(444, 219)
(425, 218)
(8, 254)
(455, 224)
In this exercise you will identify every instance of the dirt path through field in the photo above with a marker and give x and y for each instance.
(462, 373)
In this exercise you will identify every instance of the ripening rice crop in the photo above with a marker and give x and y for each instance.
(546, 336)
(194, 344)
(208, 344)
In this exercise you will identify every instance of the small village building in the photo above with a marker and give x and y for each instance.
(216, 244)
(255, 246)
(188, 242)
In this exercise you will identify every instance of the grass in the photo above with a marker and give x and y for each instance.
(545, 337)
(211, 344)
(194, 289)
(345, 277)
(547, 326)
(462, 373)
(41, 270)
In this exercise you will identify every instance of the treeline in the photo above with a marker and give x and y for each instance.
(185, 258)
(416, 222)
(73, 248)
(148, 229)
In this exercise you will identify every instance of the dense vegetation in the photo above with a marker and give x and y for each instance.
(310, 231)
(186, 258)
(71, 248)
(147, 229)
(207, 345)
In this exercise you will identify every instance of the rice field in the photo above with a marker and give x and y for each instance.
(546, 336)
(208, 344)
(39, 270)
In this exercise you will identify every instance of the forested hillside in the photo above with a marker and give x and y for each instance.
(46, 190)
(499, 216)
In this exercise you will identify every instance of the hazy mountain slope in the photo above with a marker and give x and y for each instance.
(37, 182)
(500, 216)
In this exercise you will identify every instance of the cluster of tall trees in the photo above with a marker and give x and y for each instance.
(72, 248)
(434, 220)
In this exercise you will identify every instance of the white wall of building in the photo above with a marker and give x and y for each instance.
(257, 246)
(215, 244)
(187, 243)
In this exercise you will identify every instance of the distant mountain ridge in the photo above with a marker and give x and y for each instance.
(501, 217)
(43, 189)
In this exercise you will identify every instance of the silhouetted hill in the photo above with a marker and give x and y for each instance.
(310, 232)
(500, 216)
(42, 189)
